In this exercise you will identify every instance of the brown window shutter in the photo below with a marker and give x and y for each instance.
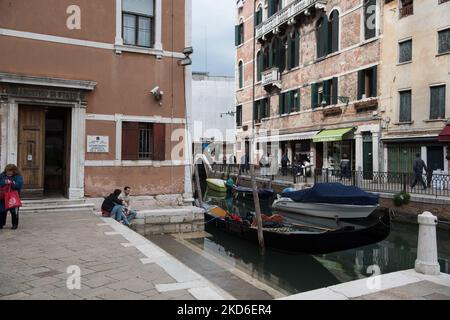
(159, 141)
(130, 141)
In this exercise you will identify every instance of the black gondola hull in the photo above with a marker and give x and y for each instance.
(307, 243)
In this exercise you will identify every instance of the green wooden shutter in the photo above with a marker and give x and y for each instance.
(270, 62)
(323, 38)
(297, 106)
(236, 35)
(374, 82)
(327, 91)
(334, 94)
(281, 104)
(297, 49)
(314, 95)
(289, 54)
(282, 55)
(361, 84)
(271, 7)
(291, 101)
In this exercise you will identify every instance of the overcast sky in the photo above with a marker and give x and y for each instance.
(213, 36)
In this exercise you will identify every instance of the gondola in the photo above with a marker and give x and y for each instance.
(247, 193)
(302, 238)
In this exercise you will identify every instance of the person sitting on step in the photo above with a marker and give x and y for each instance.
(115, 207)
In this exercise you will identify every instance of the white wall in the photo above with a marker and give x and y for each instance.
(212, 96)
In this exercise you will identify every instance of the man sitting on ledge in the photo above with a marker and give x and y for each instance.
(126, 200)
(114, 206)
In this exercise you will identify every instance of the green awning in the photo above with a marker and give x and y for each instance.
(331, 135)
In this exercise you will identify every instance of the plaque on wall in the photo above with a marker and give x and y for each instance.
(97, 144)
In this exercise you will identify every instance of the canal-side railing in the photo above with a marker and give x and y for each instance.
(382, 182)
(388, 182)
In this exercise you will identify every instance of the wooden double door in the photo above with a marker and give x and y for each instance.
(43, 150)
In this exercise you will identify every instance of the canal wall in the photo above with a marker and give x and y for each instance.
(406, 213)
(169, 221)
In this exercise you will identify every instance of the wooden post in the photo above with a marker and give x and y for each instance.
(252, 166)
(197, 182)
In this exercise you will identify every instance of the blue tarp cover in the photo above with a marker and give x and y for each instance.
(334, 193)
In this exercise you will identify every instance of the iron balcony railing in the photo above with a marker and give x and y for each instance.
(285, 14)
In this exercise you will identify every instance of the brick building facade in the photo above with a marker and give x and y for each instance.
(92, 95)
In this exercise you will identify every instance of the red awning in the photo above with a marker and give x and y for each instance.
(444, 136)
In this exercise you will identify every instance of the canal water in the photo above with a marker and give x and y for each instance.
(292, 273)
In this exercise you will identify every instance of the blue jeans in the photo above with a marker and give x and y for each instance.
(131, 215)
(118, 214)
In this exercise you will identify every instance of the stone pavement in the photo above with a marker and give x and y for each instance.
(115, 262)
(401, 285)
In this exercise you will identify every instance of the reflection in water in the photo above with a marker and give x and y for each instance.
(293, 273)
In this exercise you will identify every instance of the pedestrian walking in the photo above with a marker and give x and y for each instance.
(284, 164)
(10, 180)
(419, 166)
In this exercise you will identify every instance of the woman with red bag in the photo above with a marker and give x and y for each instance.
(10, 182)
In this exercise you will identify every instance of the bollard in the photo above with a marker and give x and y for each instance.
(427, 262)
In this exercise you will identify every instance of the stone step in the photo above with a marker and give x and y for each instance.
(83, 207)
(51, 202)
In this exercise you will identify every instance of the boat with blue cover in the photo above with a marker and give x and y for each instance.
(247, 193)
(329, 200)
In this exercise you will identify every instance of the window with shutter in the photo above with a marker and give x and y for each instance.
(327, 91)
(241, 74)
(297, 100)
(361, 84)
(290, 51)
(282, 55)
(281, 103)
(405, 106)
(374, 82)
(159, 141)
(296, 54)
(239, 116)
(259, 66)
(334, 91)
(444, 41)
(437, 104)
(334, 32)
(405, 51)
(130, 141)
(322, 36)
(314, 95)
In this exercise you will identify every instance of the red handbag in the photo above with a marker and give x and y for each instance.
(12, 199)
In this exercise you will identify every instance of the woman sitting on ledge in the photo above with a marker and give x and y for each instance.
(114, 206)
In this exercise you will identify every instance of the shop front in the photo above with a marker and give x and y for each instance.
(334, 145)
(297, 146)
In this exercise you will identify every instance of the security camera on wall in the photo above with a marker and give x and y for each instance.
(157, 93)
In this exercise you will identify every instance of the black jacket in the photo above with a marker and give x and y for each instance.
(110, 202)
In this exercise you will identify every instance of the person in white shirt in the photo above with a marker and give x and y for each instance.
(125, 197)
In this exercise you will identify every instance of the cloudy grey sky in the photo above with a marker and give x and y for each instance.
(213, 36)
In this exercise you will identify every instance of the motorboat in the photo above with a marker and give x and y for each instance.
(217, 185)
(329, 200)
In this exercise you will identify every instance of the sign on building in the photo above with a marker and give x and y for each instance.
(98, 144)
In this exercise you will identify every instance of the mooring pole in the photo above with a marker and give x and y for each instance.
(197, 182)
(252, 166)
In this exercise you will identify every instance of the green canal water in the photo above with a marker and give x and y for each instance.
(292, 273)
